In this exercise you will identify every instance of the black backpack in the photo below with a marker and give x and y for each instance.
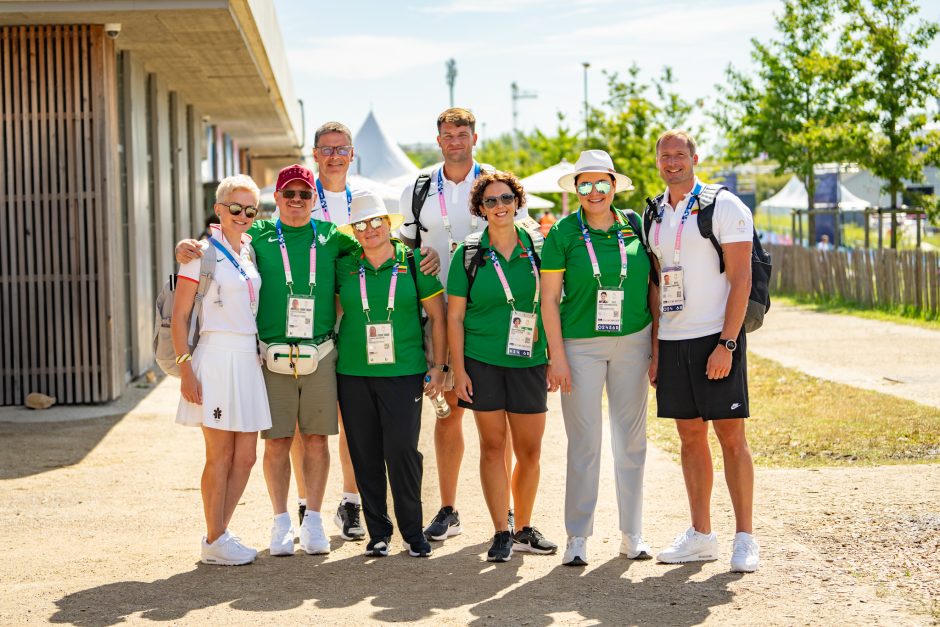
(474, 255)
(419, 194)
(759, 300)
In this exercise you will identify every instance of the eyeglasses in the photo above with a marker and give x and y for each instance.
(342, 151)
(236, 209)
(602, 187)
(289, 194)
(506, 199)
(375, 223)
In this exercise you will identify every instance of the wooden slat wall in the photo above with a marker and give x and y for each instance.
(55, 328)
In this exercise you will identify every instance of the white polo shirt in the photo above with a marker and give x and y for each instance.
(226, 306)
(706, 288)
(336, 203)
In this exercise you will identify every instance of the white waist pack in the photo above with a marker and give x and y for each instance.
(294, 359)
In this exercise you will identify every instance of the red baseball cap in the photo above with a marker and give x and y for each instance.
(294, 173)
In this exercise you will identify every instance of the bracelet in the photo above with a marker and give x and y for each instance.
(181, 359)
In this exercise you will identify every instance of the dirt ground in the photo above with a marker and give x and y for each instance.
(100, 522)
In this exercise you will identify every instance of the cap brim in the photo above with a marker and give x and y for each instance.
(396, 220)
(623, 182)
(296, 178)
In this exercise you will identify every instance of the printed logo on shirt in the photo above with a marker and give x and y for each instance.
(322, 238)
(742, 226)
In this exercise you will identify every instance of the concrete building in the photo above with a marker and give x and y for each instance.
(117, 119)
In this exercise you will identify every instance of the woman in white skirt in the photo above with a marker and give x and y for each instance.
(222, 385)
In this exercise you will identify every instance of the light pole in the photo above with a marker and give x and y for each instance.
(517, 95)
(587, 124)
(451, 78)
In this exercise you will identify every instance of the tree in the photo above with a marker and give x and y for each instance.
(798, 109)
(898, 84)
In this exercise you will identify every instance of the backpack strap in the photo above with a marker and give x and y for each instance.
(413, 269)
(206, 272)
(706, 212)
(643, 226)
(418, 195)
(473, 258)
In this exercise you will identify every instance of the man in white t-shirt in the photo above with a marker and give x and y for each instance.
(701, 370)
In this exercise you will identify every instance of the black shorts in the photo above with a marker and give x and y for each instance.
(682, 389)
(516, 390)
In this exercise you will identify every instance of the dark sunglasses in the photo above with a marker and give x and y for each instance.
(342, 151)
(506, 199)
(602, 187)
(289, 194)
(375, 223)
(236, 209)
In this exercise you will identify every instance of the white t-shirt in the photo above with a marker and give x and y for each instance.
(706, 288)
(226, 306)
(336, 203)
(462, 224)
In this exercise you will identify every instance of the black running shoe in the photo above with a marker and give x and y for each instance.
(347, 520)
(531, 539)
(301, 510)
(444, 525)
(501, 550)
(378, 547)
(420, 548)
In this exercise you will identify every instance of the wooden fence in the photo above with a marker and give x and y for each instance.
(869, 277)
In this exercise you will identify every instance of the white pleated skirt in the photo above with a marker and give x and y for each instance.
(233, 394)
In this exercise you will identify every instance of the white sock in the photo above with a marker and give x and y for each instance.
(302, 502)
(313, 516)
(282, 520)
(350, 497)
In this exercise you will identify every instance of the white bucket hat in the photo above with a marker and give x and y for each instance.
(595, 161)
(368, 205)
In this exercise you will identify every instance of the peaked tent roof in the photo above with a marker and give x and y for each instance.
(793, 196)
(378, 157)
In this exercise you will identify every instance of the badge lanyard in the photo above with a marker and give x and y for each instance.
(391, 291)
(590, 248)
(502, 278)
(241, 271)
(326, 209)
(676, 251)
(313, 258)
(443, 203)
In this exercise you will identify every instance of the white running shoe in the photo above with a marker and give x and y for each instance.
(575, 552)
(635, 548)
(282, 538)
(313, 539)
(691, 546)
(745, 553)
(227, 550)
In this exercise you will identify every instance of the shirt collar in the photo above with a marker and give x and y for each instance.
(215, 231)
(469, 178)
(665, 201)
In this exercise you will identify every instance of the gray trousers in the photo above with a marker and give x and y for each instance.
(622, 364)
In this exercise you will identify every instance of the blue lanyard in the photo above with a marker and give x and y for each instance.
(241, 271)
(288, 276)
(440, 179)
(326, 210)
(693, 198)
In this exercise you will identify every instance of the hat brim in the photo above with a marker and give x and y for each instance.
(623, 182)
(396, 220)
(289, 181)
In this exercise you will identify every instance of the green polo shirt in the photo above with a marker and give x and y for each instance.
(486, 323)
(406, 326)
(272, 305)
(564, 251)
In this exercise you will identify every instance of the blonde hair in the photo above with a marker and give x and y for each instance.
(458, 117)
(677, 132)
(232, 183)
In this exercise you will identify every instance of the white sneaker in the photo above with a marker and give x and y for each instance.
(313, 539)
(282, 538)
(227, 550)
(745, 553)
(635, 548)
(691, 546)
(575, 552)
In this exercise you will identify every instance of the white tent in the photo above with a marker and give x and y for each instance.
(546, 181)
(378, 157)
(793, 196)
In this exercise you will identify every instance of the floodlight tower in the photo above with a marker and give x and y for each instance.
(587, 128)
(517, 95)
(451, 78)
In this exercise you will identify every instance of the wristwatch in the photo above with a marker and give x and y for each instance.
(729, 344)
(443, 367)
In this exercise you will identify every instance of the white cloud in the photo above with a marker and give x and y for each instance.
(368, 56)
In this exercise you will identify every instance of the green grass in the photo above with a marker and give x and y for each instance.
(801, 421)
(898, 314)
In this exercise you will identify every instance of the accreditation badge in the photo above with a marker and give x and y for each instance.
(609, 310)
(522, 330)
(380, 343)
(672, 295)
(300, 317)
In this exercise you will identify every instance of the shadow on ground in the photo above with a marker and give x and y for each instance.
(403, 589)
(30, 449)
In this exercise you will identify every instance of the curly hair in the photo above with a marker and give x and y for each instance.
(480, 185)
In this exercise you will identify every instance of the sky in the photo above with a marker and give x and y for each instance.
(348, 58)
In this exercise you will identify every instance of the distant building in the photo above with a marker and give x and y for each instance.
(117, 119)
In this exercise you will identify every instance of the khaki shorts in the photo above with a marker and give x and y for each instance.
(308, 401)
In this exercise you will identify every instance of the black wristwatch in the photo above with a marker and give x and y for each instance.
(443, 368)
(729, 344)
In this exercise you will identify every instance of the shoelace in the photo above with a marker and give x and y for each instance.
(741, 548)
(441, 516)
(535, 534)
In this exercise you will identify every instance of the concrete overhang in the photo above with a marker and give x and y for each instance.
(225, 57)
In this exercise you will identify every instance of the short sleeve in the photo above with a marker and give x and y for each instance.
(347, 243)
(190, 269)
(733, 221)
(428, 286)
(457, 283)
(404, 207)
(553, 251)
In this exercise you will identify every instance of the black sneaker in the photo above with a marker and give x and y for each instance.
(501, 550)
(301, 510)
(531, 539)
(421, 548)
(378, 547)
(444, 525)
(511, 519)
(347, 520)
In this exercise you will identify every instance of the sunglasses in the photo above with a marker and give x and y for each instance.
(289, 194)
(602, 187)
(505, 199)
(375, 223)
(342, 151)
(236, 209)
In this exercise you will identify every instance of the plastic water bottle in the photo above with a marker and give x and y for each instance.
(441, 408)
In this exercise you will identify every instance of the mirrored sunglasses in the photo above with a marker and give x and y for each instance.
(236, 209)
(305, 194)
(342, 151)
(602, 187)
(375, 223)
(505, 199)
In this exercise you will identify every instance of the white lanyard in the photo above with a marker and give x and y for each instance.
(590, 248)
(443, 203)
(393, 284)
(326, 209)
(313, 257)
(502, 278)
(693, 198)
